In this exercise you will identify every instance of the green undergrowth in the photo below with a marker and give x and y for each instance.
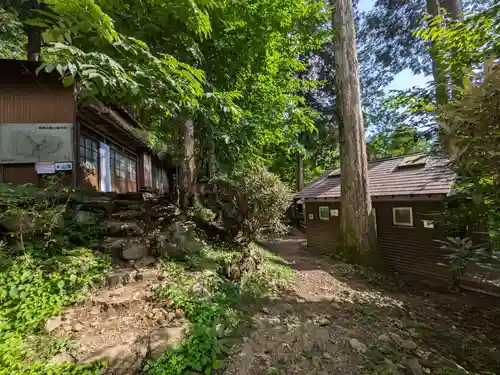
(44, 267)
(214, 306)
(33, 289)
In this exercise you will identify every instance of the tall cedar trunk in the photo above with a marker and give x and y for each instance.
(441, 79)
(300, 171)
(357, 231)
(186, 181)
(454, 10)
(438, 70)
(34, 37)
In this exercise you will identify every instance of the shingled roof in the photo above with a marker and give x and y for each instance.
(411, 175)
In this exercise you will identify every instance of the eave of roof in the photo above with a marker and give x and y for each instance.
(386, 181)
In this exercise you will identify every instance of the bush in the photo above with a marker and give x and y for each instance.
(248, 199)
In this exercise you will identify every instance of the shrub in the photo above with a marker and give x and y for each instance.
(248, 199)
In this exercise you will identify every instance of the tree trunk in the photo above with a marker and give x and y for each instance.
(34, 37)
(441, 78)
(357, 238)
(186, 181)
(438, 70)
(454, 10)
(300, 171)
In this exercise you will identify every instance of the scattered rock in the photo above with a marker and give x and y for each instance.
(127, 358)
(275, 320)
(414, 366)
(121, 277)
(85, 217)
(144, 262)
(358, 346)
(53, 323)
(391, 366)
(135, 249)
(327, 355)
(165, 338)
(77, 327)
(61, 358)
(199, 290)
(266, 310)
(384, 338)
(324, 321)
(405, 344)
(409, 344)
(123, 229)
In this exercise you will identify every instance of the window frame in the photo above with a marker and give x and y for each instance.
(394, 223)
(327, 211)
(89, 153)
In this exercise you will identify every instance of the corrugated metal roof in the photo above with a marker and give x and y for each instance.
(386, 179)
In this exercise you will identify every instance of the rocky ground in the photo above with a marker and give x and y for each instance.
(334, 319)
(121, 323)
(337, 319)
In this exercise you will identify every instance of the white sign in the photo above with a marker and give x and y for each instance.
(36, 143)
(64, 166)
(45, 168)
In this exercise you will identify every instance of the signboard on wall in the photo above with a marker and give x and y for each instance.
(105, 167)
(45, 168)
(36, 143)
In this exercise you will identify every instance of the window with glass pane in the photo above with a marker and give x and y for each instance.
(88, 153)
(402, 216)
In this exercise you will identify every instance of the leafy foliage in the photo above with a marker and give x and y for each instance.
(460, 253)
(41, 271)
(249, 198)
(219, 313)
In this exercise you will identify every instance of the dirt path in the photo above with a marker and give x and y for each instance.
(336, 319)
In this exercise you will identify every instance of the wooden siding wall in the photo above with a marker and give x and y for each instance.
(412, 251)
(29, 99)
(322, 235)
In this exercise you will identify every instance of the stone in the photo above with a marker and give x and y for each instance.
(219, 330)
(323, 321)
(120, 228)
(136, 249)
(85, 217)
(396, 338)
(199, 290)
(405, 344)
(124, 358)
(61, 358)
(144, 262)
(77, 327)
(53, 323)
(358, 346)
(275, 320)
(414, 366)
(167, 248)
(409, 344)
(384, 338)
(266, 310)
(120, 277)
(391, 366)
(327, 355)
(165, 338)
